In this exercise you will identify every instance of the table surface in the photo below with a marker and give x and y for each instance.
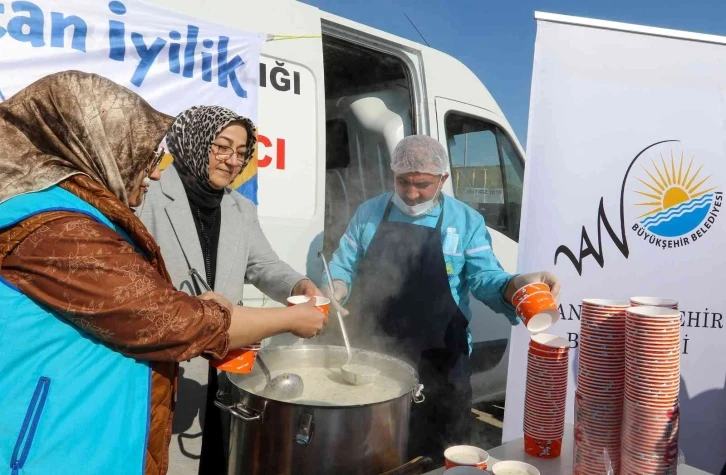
(514, 450)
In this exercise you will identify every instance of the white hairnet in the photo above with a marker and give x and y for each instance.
(419, 153)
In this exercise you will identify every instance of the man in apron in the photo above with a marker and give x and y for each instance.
(409, 260)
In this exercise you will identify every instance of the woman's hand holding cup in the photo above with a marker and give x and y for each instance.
(307, 320)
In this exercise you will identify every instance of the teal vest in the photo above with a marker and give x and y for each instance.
(68, 404)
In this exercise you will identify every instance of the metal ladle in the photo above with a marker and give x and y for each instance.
(285, 386)
(353, 373)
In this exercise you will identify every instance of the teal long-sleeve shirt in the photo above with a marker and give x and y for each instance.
(470, 261)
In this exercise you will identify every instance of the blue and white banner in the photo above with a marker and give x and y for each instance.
(171, 60)
(624, 196)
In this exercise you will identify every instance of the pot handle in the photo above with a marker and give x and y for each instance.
(240, 411)
(305, 429)
(417, 395)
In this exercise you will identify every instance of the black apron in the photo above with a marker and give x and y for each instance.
(401, 304)
(215, 425)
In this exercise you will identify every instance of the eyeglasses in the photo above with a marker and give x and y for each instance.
(156, 158)
(224, 153)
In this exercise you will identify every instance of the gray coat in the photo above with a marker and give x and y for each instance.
(244, 256)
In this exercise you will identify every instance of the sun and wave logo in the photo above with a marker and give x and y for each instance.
(678, 202)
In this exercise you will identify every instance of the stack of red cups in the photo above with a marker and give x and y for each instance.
(546, 395)
(600, 385)
(652, 383)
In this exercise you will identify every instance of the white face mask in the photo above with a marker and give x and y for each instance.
(415, 210)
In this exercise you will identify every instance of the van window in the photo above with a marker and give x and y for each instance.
(486, 170)
(368, 111)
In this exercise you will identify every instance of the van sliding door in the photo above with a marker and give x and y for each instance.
(486, 174)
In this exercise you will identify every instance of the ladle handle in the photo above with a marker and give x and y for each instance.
(345, 337)
(340, 317)
(264, 368)
(193, 272)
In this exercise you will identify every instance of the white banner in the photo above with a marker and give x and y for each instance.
(624, 197)
(173, 61)
(288, 138)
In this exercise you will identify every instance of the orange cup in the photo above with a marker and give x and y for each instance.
(527, 290)
(466, 456)
(322, 303)
(549, 355)
(542, 448)
(545, 343)
(241, 360)
(653, 302)
(538, 311)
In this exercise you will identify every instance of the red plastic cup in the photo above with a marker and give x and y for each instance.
(538, 309)
(240, 361)
(542, 448)
(321, 303)
(466, 456)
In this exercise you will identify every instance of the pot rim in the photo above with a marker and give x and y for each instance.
(259, 401)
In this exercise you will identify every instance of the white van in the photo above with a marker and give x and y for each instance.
(332, 106)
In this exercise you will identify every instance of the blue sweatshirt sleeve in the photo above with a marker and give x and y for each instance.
(344, 264)
(485, 276)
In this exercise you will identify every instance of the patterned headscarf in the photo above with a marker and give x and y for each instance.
(191, 135)
(72, 123)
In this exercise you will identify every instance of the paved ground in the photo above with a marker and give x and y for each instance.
(487, 424)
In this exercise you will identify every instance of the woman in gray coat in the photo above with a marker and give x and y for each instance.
(201, 224)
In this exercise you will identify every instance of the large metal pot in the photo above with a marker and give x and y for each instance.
(274, 437)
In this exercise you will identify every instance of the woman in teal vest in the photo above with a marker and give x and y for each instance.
(91, 329)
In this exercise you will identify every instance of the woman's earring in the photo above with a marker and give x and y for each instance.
(147, 181)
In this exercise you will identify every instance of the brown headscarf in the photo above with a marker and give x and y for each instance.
(87, 134)
(72, 123)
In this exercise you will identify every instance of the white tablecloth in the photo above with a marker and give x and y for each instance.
(562, 465)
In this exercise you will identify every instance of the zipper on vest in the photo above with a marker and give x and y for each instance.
(30, 424)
